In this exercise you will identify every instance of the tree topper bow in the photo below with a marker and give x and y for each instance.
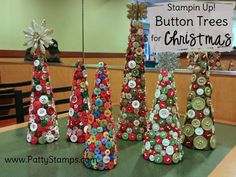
(137, 11)
(38, 36)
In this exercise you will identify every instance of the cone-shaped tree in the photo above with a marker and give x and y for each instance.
(43, 126)
(132, 116)
(100, 146)
(79, 109)
(198, 130)
(162, 143)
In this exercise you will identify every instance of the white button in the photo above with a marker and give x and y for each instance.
(151, 157)
(157, 107)
(36, 63)
(28, 138)
(206, 111)
(151, 116)
(135, 104)
(73, 138)
(199, 131)
(50, 138)
(175, 135)
(38, 87)
(165, 142)
(147, 145)
(191, 114)
(200, 91)
(106, 159)
(170, 150)
(86, 129)
(157, 93)
(132, 84)
(33, 127)
(164, 113)
(43, 99)
(136, 122)
(31, 120)
(155, 127)
(73, 99)
(69, 132)
(41, 112)
(132, 64)
(71, 112)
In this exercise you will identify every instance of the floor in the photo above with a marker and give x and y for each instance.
(130, 163)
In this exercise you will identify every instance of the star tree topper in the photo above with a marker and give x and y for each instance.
(38, 36)
(137, 11)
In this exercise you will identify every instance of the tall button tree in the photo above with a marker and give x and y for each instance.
(132, 116)
(79, 106)
(100, 146)
(42, 126)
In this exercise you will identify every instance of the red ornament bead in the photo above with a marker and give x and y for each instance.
(146, 155)
(37, 105)
(158, 139)
(188, 142)
(195, 86)
(162, 104)
(119, 135)
(164, 73)
(171, 93)
(207, 134)
(167, 159)
(34, 140)
(132, 136)
(200, 114)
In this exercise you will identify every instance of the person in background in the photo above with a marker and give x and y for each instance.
(52, 53)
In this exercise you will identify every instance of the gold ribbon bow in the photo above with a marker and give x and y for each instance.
(137, 11)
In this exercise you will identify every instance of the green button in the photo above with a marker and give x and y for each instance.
(135, 72)
(196, 123)
(163, 135)
(207, 123)
(125, 136)
(163, 97)
(200, 142)
(208, 91)
(139, 137)
(198, 103)
(188, 130)
(176, 157)
(213, 142)
(42, 140)
(152, 142)
(43, 122)
(169, 102)
(158, 158)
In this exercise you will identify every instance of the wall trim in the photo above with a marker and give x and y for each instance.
(64, 54)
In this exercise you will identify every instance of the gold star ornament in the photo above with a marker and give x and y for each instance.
(137, 11)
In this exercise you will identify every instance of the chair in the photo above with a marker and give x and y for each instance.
(9, 93)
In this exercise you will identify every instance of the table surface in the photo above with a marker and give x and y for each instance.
(130, 163)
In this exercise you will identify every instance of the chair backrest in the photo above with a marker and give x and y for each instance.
(8, 92)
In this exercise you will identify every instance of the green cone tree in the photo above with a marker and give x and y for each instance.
(198, 130)
(162, 143)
